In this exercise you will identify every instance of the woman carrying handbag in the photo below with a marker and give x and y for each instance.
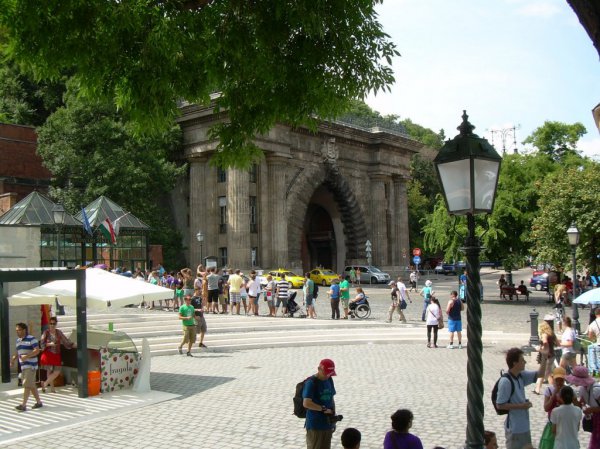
(434, 318)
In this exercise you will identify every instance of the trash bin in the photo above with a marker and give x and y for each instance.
(94, 383)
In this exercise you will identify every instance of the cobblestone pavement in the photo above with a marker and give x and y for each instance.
(242, 398)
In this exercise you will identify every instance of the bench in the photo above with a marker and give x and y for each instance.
(511, 292)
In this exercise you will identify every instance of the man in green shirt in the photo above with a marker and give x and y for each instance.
(186, 315)
(345, 295)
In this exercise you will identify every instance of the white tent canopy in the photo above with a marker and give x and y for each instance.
(101, 289)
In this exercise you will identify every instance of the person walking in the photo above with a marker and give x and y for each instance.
(397, 304)
(433, 314)
(453, 309)
(308, 290)
(318, 400)
(511, 397)
(27, 354)
(51, 359)
(426, 292)
(199, 319)
(334, 299)
(413, 280)
(546, 350)
(186, 315)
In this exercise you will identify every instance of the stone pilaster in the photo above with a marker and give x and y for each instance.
(278, 211)
(400, 218)
(265, 205)
(238, 219)
(379, 239)
(197, 211)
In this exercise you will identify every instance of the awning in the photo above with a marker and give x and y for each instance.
(102, 288)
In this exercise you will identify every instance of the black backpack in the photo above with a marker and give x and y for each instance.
(299, 409)
(315, 289)
(495, 392)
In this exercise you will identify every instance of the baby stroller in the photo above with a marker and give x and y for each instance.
(360, 309)
(293, 307)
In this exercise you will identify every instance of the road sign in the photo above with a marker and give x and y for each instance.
(417, 260)
(416, 251)
(368, 245)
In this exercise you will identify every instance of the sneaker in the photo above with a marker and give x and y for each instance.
(189, 354)
(450, 346)
(202, 345)
(38, 405)
(459, 346)
(21, 408)
(180, 350)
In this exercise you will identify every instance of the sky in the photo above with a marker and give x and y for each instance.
(509, 63)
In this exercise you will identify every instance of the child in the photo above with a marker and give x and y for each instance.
(565, 421)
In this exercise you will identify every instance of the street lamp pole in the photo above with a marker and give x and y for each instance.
(58, 216)
(573, 235)
(200, 238)
(468, 168)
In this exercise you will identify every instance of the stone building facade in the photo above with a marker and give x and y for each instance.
(313, 200)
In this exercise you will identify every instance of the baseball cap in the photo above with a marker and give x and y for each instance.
(559, 372)
(328, 367)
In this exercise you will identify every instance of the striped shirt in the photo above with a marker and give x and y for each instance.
(283, 287)
(25, 346)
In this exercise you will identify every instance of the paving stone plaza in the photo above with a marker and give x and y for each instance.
(228, 398)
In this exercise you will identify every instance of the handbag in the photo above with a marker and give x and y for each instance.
(547, 440)
(441, 322)
(587, 424)
(403, 304)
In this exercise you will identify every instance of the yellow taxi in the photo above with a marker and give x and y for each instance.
(290, 276)
(323, 276)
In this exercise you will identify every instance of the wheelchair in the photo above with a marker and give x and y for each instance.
(360, 309)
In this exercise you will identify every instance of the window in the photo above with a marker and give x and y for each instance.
(222, 215)
(221, 175)
(253, 173)
(253, 256)
(253, 224)
(223, 256)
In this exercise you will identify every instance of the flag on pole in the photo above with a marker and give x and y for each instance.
(108, 231)
(117, 223)
(86, 223)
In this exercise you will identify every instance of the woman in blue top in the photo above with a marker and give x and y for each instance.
(334, 296)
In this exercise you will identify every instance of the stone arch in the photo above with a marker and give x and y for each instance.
(352, 217)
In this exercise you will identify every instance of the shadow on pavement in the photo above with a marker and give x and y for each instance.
(185, 385)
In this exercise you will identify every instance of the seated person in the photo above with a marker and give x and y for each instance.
(508, 290)
(522, 289)
(358, 299)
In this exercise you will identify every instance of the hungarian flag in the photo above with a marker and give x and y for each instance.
(108, 231)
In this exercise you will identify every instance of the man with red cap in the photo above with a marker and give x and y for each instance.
(318, 401)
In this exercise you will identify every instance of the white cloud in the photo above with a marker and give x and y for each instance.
(590, 147)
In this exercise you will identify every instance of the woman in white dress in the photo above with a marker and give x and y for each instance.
(432, 316)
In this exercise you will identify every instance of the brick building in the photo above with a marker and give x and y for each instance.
(21, 169)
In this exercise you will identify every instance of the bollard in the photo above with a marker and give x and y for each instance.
(534, 340)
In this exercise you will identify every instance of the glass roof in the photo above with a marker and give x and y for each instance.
(100, 209)
(34, 210)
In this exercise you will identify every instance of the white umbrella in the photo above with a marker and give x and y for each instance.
(101, 288)
(590, 297)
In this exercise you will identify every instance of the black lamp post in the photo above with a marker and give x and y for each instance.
(573, 235)
(200, 238)
(468, 168)
(58, 216)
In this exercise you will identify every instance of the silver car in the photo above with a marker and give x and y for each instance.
(368, 274)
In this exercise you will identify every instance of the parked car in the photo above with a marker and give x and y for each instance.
(323, 276)
(539, 282)
(290, 276)
(449, 268)
(369, 274)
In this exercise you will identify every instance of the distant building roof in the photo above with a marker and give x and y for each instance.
(34, 210)
(102, 208)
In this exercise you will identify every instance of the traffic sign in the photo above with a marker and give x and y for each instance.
(416, 251)
(417, 260)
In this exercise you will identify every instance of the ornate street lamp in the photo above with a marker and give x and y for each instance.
(58, 216)
(200, 238)
(573, 235)
(468, 167)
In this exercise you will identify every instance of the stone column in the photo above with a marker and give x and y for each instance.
(197, 210)
(379, 238)
(238, 219)
(264, 216)
(401, 241)
(278, 210)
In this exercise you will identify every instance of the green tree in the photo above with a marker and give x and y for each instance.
(91, 151)
(568, 195)
(270, 60)
(556, 139)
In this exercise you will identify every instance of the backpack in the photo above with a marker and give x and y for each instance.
(299, 409)
(315, 289)
(495, 392)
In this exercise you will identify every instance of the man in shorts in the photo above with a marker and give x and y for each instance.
(254, 292)
(235, 283)
(345, 295)
(199, 319)
(455, 306)
(186, 315)
(27, 355)
(283, 288)
(213, 290)
(309, 292)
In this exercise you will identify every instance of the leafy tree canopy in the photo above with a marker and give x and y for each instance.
(270, 60)
(91, 151)
(556, 139)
